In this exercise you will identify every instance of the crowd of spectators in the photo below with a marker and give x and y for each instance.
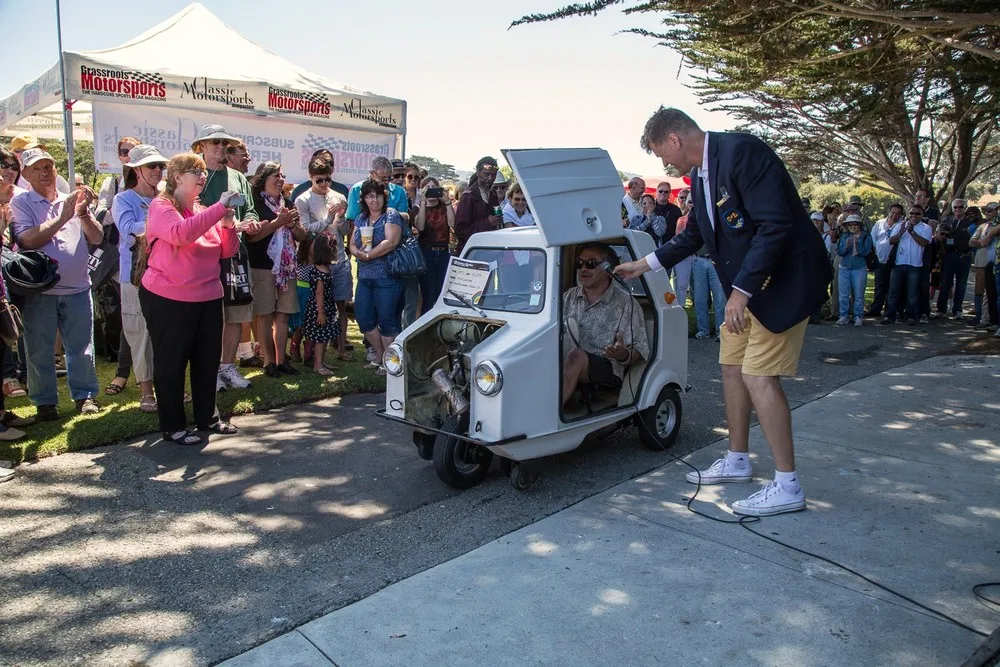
(216, 271)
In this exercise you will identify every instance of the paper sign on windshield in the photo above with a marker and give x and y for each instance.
(467, 278)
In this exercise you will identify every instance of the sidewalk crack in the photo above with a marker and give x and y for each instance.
(321, 651)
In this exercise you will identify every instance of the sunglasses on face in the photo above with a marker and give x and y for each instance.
(588, 263)
(217, 142)
(159, 166)
(663, 192)
(396, 177)
(123, 152)
(916, 213)
(322, 179)
(412, 177)
(8, 165)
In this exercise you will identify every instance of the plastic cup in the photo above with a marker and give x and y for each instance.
(367, 234)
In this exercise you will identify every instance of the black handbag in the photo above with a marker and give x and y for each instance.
(11, 326)
(102, 263)
(407, 259)
(235, 276)
(28, 271)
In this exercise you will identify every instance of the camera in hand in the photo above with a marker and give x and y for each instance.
(238, 200)
(434, 193)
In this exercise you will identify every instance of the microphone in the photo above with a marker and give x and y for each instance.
(607, 268)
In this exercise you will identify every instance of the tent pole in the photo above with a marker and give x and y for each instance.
(67, 109)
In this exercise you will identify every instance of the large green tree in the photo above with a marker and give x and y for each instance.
(439, 170)
(896, 94)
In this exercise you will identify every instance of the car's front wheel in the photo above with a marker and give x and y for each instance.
(660, 423)
(459, 463)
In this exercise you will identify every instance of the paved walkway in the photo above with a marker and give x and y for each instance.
(901, 474)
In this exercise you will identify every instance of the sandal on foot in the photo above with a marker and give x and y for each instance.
(345, 357)
(324, 371)
(148, 403)
(222, 428)
(186, 438)
(114, 388)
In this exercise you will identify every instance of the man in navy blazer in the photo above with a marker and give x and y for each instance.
(775, 271)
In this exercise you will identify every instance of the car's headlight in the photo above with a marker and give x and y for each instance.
(489, 379)
(393, 360)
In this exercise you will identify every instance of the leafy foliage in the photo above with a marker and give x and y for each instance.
(895, 94)
(439, 170)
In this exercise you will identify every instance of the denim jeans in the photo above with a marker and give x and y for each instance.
(852, 280)
(882, 277)
(376, 305)
(72, 315)
(682, 278)
(705, 279)
(433, 279)
(905, 284)
(954, 269)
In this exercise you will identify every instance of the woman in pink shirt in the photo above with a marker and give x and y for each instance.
(181, 297)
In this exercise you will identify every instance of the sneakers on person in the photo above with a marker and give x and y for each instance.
(370, 355)
(8, 433)
(13, 389)
(701, 335)
(287, 368)
(842, 320)
(6, 474)
(886, 320)
(858, 321)
(924, 319)
(271, 371)
(86, 406)
(11, 418)
(232, 377)
(46, 413)
(772, 499)
(252, 362)
(721, 472)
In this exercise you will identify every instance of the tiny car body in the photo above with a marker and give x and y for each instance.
(478, 378)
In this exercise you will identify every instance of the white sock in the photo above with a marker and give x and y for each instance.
(788, 480)
(244, 351)
(738, 460)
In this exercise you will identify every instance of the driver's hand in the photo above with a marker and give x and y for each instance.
(630, 270)
(617, 350)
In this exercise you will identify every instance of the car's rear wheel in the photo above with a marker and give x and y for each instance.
(459, 463)
(660, 423)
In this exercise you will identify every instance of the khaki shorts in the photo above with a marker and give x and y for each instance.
(761, 352)
(239, 314)
(268, 299)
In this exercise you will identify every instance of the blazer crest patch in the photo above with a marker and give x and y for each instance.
(733, 218)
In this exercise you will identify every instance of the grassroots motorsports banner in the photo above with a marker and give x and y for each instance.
(281, 140)
(91, 80)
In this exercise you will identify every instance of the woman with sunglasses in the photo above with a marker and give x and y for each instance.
(112, 186)
(142, 173)
(272, 267)
(181, 296)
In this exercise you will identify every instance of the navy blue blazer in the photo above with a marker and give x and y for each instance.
(763, 241)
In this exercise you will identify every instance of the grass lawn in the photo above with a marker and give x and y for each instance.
(120, 418)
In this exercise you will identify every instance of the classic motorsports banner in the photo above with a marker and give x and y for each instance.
(173, 130)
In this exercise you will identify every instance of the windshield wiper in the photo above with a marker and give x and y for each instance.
(468, 303)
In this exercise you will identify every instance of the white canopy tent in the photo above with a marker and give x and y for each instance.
(162, 85)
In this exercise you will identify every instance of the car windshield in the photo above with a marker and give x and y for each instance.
(516, 283)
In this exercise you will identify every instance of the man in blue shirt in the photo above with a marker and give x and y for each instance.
(381, 170)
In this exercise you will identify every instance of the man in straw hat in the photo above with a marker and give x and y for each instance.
(212, 142)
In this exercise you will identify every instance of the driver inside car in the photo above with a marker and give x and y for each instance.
(604, 323)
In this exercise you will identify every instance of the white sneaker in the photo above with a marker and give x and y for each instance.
(842, 320)
(772, 499)
(720, 472)
(371, 355)
(232, 377)
(858, 321)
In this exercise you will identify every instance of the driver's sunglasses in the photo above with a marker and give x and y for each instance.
(322, 179)
(588, 263)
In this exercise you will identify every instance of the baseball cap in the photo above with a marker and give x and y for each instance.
(144, 154)
(856, 200)
(816, 215)
(24, 142)
(853, 218)
(992, 206)
(32, 155)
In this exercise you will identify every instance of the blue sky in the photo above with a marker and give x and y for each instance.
(472, 87)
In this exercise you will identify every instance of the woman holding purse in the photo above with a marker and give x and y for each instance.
(181, 296)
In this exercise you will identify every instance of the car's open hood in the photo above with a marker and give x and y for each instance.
(574, 194)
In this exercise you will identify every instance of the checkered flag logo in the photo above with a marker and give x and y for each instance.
(146, 77)
(314, 143)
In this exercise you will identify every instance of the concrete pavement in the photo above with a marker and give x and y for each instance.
(900, 470)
